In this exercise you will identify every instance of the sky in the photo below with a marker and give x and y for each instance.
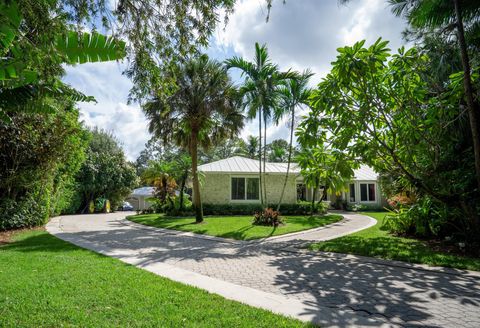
(300, 34)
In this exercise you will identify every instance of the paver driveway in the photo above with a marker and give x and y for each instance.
(331, 290)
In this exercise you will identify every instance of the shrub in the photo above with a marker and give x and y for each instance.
(172, 206)
(268, 217)
(425, 218)
(300, 208)
(29, 211)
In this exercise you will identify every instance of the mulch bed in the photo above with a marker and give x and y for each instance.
(6, 236)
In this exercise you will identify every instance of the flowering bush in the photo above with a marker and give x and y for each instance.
(400, 200)
(268, 217)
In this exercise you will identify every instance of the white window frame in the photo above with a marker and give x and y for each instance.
(244, 200)
(358, 195)
(368, 201)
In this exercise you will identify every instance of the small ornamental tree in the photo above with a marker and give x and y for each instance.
(376, 106)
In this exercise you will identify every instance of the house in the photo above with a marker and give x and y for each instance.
(364, 189)
(138, 198)
(235, 180)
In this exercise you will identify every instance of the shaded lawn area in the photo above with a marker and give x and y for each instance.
(236, 227)
(377, 242)
(46, 282)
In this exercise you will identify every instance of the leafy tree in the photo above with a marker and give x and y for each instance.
(105, 172)
(260, 93)
(377, 108)
(161, 34)
(452, 15)
(294, 93)
(320, 167)
(35, 39)
(201, 112)
(231, 147)
(277, 151)
(251, 147)
(39, 157)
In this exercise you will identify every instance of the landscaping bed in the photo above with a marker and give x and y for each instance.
(377, 242)
(46, 282)
(236, 227)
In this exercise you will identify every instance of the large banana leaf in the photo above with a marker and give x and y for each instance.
(10, 19)
(71, 47)
(86, 47)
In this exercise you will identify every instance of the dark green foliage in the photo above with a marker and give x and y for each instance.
(105, 172)
(28, 211)
(36, 38)
(381, 108)
(301, 208)
(426, 217)
(39, 156)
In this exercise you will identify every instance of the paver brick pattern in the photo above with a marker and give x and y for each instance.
(407, 296)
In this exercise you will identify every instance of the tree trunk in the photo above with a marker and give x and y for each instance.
(197, 201)
(467, 84)
(265, 160)
(289, 159)
(182, 188)
(315, 190)
(260, 156)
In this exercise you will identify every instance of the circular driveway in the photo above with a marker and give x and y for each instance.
(331, 290)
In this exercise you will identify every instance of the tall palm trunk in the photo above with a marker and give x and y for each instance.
(197, 201)
(265, 160)
(289, 159)
(182, 188)
(467, 83)
(260, 155)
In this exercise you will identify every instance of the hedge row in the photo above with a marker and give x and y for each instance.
(301, 208)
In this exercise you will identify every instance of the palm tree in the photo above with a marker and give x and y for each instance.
(201, 111)
(251, 147)
(159, 175)
(293, 94)
(260, 96)
(182, 167)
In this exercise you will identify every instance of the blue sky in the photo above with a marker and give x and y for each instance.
(300, 34)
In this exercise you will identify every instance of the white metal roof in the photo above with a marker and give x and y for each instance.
(365, 173)
(238, 164)
(144, 191)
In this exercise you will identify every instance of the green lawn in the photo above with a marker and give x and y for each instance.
(236, 227)
(46, 282)
(379, 243)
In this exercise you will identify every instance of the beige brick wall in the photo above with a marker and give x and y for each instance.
(215, 188)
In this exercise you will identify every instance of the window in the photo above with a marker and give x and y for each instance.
(367, 192)
(352, 193)
(245, 189)
(238, 188)
(252, 188)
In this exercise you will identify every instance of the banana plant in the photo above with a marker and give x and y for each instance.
(21, 84)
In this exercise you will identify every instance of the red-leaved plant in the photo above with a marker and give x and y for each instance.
(268, 217)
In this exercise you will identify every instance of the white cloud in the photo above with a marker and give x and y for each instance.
(300, 34)
(110, 88)
(305, 34)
